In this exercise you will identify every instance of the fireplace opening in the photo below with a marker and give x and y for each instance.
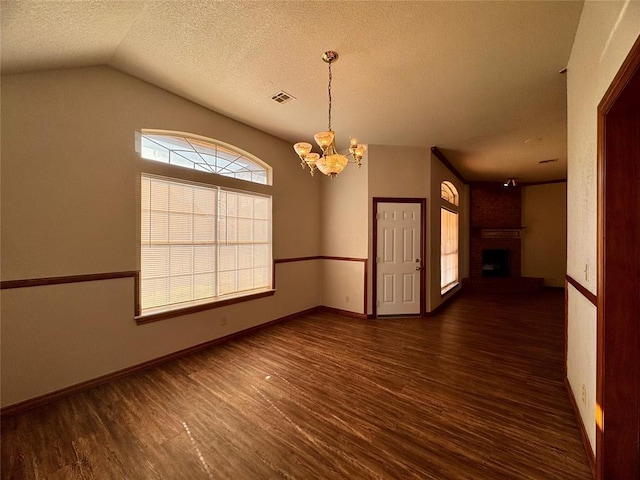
(495, 263)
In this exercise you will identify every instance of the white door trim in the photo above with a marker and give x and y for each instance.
(422, 202)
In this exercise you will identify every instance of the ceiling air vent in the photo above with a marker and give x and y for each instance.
(282, 97)
(551, 160)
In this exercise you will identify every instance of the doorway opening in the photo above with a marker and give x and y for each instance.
(618, 336)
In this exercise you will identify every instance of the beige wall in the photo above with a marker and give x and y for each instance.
(69, 179)
(544, 240)
(343, 212)
(396, 171)
(606, 32)
(343, 285)
(344, 233)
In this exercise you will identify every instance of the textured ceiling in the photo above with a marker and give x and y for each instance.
(477, 79)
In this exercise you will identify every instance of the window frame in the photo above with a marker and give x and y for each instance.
(449, 193)
(210, 144)
(207, 179)
(449, 201)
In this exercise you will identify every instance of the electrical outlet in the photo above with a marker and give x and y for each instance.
(584, 394)
(586, 272)
(346, 299)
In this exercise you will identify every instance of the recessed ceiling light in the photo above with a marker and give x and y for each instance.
(533, 140)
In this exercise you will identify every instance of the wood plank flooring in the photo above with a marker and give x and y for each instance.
(475, 392)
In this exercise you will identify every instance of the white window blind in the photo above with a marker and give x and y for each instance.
(448, 249)
(199, 243)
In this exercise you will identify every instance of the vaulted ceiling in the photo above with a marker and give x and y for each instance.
(481, 80)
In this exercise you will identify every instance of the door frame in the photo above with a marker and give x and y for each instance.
(618, 324)
(423, 249)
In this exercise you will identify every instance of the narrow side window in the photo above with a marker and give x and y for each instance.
(449, 233)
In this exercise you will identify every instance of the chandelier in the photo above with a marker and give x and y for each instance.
(331, 162)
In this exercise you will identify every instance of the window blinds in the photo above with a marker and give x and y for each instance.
(201, 242)
(448, 247)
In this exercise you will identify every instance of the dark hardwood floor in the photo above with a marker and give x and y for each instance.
(475, 392)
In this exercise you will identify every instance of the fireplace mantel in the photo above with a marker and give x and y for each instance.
(501, 232)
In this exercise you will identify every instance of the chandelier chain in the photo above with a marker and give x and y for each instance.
(329, 90)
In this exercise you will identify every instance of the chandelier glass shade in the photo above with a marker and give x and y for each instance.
(331, 163)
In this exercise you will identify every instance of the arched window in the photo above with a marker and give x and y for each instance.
(205, 155)
(449, 192)
(201, 244)
(449, 227)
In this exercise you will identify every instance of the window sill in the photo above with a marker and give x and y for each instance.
(448, 289)
(162, 314)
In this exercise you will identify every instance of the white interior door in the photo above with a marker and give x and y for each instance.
(398, 259)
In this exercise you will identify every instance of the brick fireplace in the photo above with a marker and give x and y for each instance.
(495, 227)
